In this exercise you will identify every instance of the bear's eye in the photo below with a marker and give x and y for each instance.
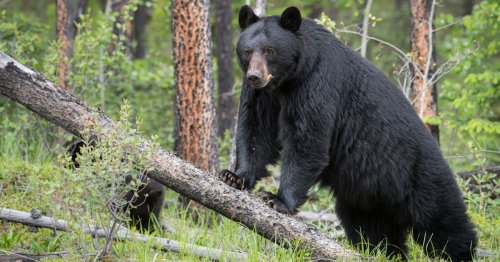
(248, 52)
(268, 51)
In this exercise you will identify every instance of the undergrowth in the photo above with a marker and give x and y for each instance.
(33, 177)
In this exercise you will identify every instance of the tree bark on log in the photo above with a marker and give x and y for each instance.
(122, 234)
(63, 109)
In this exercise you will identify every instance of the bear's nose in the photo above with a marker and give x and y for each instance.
(253, 76)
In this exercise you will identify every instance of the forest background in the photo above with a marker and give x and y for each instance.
(133, 60)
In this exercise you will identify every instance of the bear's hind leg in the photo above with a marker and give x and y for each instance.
(448, 233)
(369, 230)
(455, 241)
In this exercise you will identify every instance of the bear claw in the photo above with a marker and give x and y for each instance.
(275, 203)
(232, 179)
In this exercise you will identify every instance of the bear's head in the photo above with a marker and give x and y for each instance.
(268, 48)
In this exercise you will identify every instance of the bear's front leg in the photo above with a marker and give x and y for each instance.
(303, 161)
(256, 139)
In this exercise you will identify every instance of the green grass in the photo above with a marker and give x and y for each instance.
(31, 178)
(43, 186)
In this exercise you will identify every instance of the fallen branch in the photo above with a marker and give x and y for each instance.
(22, 257)
(122, 234)
(477, 183)
(313, 216)
(57, 106)
(469, 174)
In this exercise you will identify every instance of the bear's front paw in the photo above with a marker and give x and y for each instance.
(275, 203)
(232, 179)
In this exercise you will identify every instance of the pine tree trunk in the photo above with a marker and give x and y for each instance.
(225, 73)
(142, 16)
(423, 93)
(66, 17)
(195, 114)
(467, 6)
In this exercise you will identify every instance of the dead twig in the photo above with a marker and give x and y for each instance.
(122, 233)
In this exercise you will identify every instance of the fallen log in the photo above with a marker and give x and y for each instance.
(476, 182)
(469, 174)
(313, 216)
(43, 97)
(23, 257)
(122, 234)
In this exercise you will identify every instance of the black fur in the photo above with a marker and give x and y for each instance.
(332, 117)
(247, 17)
(145, 206)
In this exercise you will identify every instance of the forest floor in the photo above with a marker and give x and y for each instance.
(31, 178)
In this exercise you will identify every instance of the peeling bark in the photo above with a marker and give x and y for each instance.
(63, 109)
(423, 95)
(195, 113)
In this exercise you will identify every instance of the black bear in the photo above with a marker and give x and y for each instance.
(142, 208)
(332, 117)
(146, 205)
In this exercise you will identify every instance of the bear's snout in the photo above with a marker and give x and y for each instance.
(257, 74)
(254, 77)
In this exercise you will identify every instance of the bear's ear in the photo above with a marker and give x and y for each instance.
(247, 17)
(291, 19)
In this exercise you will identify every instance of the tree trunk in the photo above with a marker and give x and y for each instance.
(58, 106)
(66, 18)
(142, 16)
(423, 93)
(225, 73)
(260, 7)
(315, 10)
(399, 5)
(366, 22)
(467, 6)
(195, 114)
